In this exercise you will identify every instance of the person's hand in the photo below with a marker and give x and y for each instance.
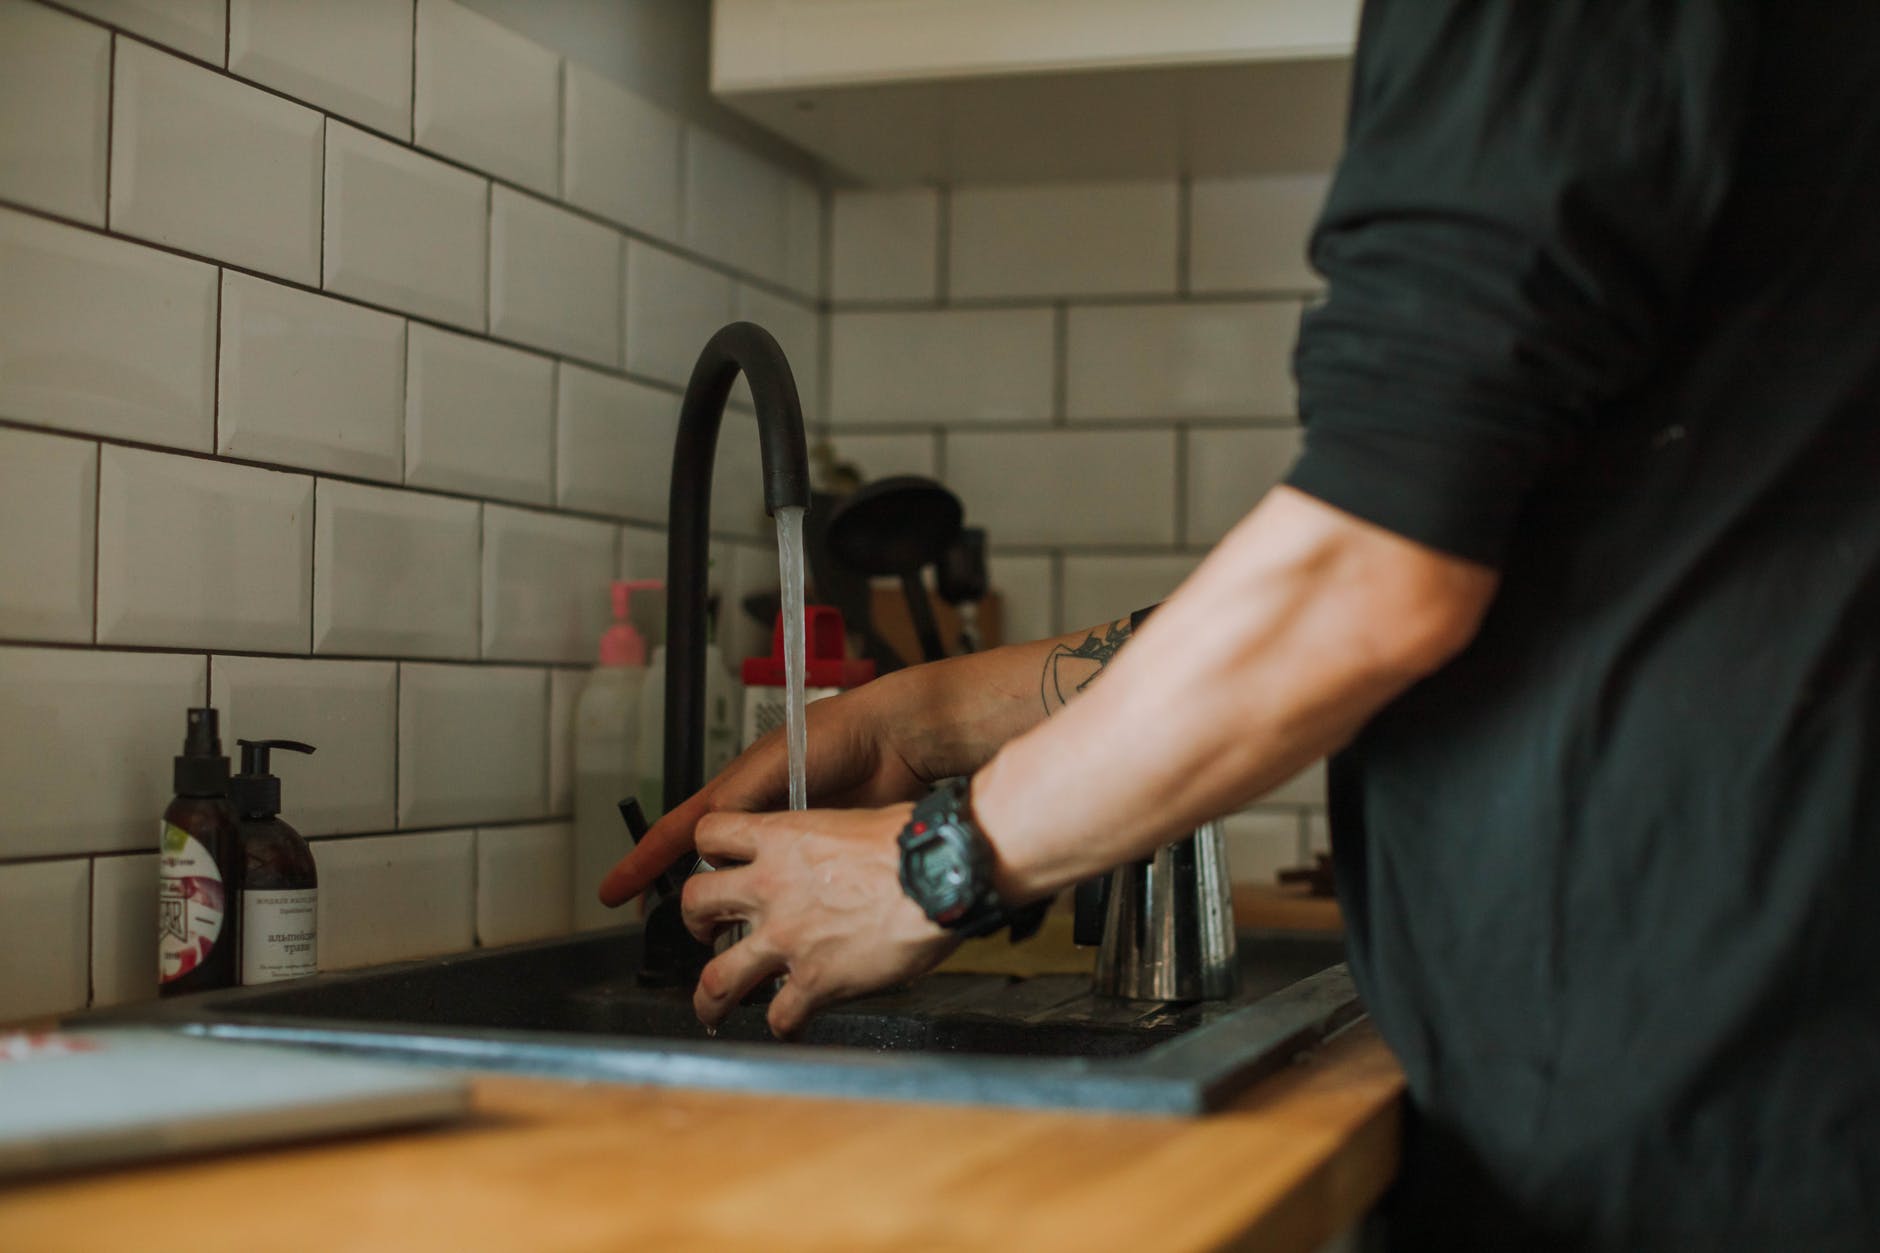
(821, 893)
(859, 755)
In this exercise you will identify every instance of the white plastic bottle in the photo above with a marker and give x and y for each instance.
(723, 711)
(606, 734)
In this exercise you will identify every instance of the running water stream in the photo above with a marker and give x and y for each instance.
(790, 570)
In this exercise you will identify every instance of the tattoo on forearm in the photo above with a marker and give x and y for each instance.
(1068, 671)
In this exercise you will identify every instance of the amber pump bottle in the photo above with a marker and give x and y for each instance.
(279, 913)
(199, 869)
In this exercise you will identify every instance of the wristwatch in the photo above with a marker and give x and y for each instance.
(946, 869)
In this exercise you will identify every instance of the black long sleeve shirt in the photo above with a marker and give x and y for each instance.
(1603, 311)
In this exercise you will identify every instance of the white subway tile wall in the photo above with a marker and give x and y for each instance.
(884, 456)
(486, 96)
(545, 583)
(471, 740)
(1064, 239)
(1247, 234)
(1067, 487)
(331, 313)
(1230, 470)
(613, 453)
(105, 337)
(395, 897)
(310, 381)
(193, 27)
(55, 92)
(349, 57)
(1025, 586)
(882, 244)
(404, 230)
(123, 929)
(942, 365)
(479, 417)
(1263, 842)
(197, 553)
(620, 155)
(203, 162)
(347, 710)
(564, 691)
(45, 927)
(1103, 589)
(673, 307)
(395, 573)
(1182, 360)
(90, 735)
(554, 278)
(525, 883)
(48, 535)
(746, 211)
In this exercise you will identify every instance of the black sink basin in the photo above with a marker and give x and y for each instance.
(572, 1007)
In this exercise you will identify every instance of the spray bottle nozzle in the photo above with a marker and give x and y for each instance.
(203, 737)
(256, 791)
(623, 645)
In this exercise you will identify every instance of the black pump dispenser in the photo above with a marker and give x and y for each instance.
(255, 791)
(202, 770)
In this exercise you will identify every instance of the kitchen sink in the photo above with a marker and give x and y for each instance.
(574, 1008)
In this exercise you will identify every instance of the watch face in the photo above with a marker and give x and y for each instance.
(939, 876)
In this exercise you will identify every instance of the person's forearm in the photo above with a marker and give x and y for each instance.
(964, 709)
(1296, 630)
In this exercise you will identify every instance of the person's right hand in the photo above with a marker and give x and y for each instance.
(862, 752)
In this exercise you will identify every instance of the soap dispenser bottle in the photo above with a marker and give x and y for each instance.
(199, 869)
(279, 919)
(606, 735)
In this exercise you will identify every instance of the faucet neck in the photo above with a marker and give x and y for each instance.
(746, 348)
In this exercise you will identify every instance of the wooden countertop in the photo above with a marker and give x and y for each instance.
(547, 1166)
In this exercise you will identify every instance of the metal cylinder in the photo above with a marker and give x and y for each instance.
(1169, 932)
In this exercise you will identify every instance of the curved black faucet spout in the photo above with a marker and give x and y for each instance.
(740, 347)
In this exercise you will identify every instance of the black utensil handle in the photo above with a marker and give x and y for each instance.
(921, 610)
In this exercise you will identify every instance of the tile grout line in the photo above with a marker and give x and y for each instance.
(414, 75)
(1058, 625)
(943, 247)
(215, 371)
(325, 130)
(97, 529)
(398, 735)
(1060, 363)
(91, 931)
(1181, 485)
(110, 120)
(313, 561)
(1184, 236)
(489, 256)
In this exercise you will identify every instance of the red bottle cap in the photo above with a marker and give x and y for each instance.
(829, 663)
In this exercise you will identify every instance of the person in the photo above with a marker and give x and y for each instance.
(1578, 576)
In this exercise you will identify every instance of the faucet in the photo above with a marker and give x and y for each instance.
(741, 347)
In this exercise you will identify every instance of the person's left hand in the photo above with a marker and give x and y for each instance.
(821, 891)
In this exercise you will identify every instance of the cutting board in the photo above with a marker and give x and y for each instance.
(89, 1098)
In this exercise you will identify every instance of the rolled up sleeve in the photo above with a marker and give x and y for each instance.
(1526, 189)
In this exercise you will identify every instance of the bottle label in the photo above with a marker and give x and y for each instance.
(278, 929)
(191, 903)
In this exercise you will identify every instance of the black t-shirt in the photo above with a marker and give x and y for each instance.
(1603, 311)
